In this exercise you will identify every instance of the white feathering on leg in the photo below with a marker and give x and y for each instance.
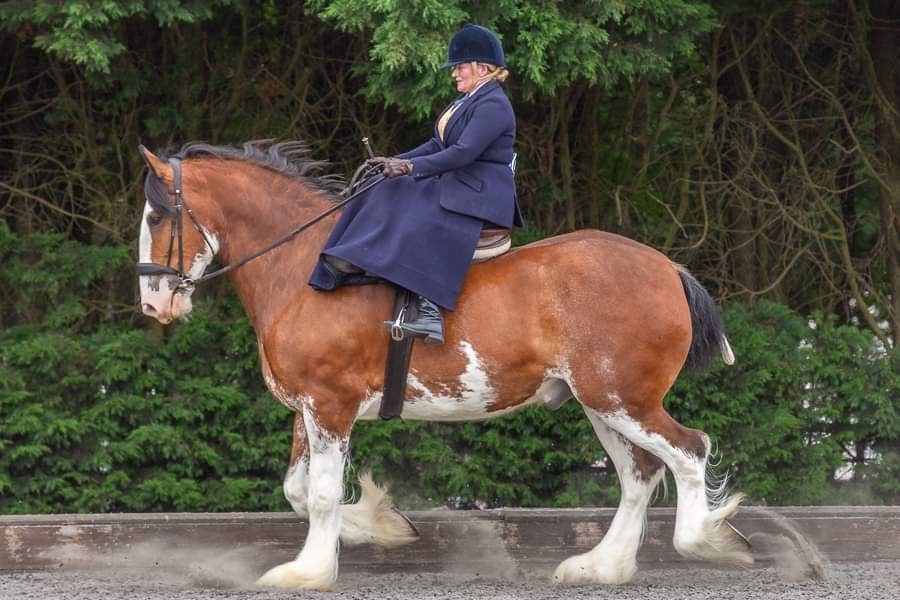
(373, 519)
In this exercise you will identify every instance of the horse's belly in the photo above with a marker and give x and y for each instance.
(423, 404)
(441, 408)
(471, 393)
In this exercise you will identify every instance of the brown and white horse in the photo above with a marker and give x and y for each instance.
(587, 315)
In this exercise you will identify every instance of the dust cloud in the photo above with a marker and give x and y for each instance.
(180, 566)
(795, 558)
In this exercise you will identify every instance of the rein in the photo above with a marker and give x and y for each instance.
(186, 283)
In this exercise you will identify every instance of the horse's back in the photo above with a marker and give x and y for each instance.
(612, 265)
(595, 241)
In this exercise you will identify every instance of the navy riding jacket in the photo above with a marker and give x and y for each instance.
(478, 149)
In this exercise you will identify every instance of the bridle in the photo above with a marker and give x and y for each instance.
(359, 183)
(151, 268)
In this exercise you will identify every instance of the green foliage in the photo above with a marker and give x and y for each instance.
(53, 277)
(549, 45)
(84, 31)
(112, 417)
(804, 396)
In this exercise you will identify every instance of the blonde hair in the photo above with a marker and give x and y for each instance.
(494, 72)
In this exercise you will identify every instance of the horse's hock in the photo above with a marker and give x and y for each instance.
(492, 543)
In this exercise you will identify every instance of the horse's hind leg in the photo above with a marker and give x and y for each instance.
(613, 560)
(316, 566)
(700, 533)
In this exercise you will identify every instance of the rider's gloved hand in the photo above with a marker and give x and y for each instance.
(396, 167)
(376, 161)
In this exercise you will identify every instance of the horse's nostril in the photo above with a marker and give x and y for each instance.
(149, 309)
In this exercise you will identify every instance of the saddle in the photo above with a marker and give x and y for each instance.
(494, 242)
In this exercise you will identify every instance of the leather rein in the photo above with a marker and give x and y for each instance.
(359, 183)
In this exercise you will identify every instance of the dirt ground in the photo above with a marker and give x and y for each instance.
(843, 580)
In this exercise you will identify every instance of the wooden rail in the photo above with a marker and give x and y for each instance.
(502, 540)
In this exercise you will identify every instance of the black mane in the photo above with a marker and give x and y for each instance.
(288, 158)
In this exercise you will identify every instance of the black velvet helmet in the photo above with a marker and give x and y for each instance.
(474, 43)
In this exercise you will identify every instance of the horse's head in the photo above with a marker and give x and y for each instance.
(172, 251)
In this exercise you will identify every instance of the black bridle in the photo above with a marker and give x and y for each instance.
(359, 183)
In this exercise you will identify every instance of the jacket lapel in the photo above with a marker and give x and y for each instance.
(468, 103)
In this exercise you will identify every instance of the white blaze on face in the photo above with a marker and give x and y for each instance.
(154, 288)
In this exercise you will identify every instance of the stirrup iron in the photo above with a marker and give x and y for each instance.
(397, 333)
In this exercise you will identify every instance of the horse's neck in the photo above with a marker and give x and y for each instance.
(253, 215)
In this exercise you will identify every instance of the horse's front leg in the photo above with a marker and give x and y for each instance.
(316, 566)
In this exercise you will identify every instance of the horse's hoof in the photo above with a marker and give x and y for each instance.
(291, 576)
(586, 569)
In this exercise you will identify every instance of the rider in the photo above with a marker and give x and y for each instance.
(419, 229)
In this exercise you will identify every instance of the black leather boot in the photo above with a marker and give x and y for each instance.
(429, 324)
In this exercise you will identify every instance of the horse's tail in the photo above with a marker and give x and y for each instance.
(707, 330)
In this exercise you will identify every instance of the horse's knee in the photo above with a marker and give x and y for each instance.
(296, 487)
(325, 496)
(326, 484)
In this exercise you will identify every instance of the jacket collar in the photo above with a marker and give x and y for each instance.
(467, 103)
(490, 85)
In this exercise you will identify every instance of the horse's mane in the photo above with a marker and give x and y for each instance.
(289, 158)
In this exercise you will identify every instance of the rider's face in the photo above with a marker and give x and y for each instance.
(467, 78)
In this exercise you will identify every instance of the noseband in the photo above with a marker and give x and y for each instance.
(361, 182)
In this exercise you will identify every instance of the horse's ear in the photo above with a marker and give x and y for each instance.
(161, 169)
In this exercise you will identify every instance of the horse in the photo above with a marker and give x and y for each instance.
(589, 316)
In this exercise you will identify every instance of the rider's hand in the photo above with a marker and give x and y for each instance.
(395, 167)
(376, 161)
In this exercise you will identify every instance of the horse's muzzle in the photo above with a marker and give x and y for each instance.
(164, 316)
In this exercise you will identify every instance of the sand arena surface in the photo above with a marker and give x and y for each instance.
(873, 581)
(801, 552)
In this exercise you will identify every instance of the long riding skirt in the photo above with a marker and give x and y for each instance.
(399, 231)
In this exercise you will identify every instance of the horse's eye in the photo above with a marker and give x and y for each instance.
(154, 219)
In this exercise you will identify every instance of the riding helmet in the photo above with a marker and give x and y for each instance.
(474, 43)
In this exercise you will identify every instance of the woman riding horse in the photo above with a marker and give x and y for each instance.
(419, 229)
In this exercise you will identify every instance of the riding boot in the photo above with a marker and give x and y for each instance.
(429, 324)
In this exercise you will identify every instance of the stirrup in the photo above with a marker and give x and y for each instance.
(397, 332)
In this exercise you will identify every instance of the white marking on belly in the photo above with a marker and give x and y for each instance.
(368, 408)
(470, 400)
